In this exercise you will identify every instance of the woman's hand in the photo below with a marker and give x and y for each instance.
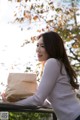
(4, 99)
(3, 95)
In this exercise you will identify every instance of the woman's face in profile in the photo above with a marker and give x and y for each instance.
(41, 52)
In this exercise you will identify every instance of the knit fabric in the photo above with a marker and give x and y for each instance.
(56, 87)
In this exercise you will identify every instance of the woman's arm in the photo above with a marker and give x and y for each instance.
(49, 77)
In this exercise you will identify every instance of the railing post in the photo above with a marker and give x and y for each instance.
(54, 116)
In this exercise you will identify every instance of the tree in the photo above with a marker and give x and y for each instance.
(61, 19)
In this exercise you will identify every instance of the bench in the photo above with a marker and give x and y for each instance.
(35, 109)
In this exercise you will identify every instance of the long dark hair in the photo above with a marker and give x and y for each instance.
(54, 46)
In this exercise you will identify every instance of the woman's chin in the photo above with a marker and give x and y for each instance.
(40, 60)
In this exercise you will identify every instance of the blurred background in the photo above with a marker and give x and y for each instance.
(22, 20)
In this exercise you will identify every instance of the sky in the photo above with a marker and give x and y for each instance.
(13, 57)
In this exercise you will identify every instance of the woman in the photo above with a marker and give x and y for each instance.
(58, 82)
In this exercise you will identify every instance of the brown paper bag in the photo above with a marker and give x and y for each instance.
(20, 86)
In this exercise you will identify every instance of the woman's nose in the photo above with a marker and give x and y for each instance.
(38, 49)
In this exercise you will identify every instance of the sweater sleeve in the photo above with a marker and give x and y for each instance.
(49, 78)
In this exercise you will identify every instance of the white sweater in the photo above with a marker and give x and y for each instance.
(57, 88)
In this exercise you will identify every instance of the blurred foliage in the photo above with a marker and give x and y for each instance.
(61, 19)
(28, 116)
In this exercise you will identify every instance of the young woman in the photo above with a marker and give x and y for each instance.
(58, 82)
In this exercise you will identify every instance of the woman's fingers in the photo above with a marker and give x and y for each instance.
(4, 97)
